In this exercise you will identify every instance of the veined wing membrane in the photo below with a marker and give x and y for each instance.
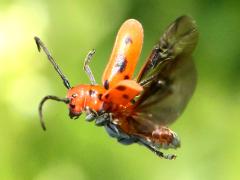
(169, 75)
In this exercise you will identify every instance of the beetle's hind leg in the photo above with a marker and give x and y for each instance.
(156, 151)
(87, 68)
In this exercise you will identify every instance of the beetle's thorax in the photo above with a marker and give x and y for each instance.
(84, 97)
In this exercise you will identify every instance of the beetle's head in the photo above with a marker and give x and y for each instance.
(76, 101)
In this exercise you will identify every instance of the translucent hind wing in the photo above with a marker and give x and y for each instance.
(180, 38)
(169, 75)
(165, 98)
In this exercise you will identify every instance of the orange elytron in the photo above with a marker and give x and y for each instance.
(137, 110)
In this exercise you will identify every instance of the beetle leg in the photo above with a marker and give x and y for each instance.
(90, 114)
(87, 68)
(156, 151)
(112, 130)
(103, 119)
(90, 117)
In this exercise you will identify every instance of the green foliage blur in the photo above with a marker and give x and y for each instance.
(209, 128)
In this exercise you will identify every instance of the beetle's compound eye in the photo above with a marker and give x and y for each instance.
(74, 95)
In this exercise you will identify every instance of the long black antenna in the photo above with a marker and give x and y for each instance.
(50, 58)
(55, 98)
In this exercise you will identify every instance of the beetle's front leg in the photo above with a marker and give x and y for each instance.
(103, 119)
(90, 114)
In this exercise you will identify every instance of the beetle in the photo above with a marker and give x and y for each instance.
(137, 110)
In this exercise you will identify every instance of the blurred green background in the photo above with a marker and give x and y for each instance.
(209, 128)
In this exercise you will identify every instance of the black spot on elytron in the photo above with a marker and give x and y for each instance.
(125, 96)
(107, 96)
(121, 88)
(106, 84)
(99, 96)
(91, 92)
(123, 65)
(126, 77)
(128, 40)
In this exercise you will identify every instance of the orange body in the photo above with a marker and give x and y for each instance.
(137, 111)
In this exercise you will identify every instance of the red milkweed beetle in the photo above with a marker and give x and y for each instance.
(137, 110)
